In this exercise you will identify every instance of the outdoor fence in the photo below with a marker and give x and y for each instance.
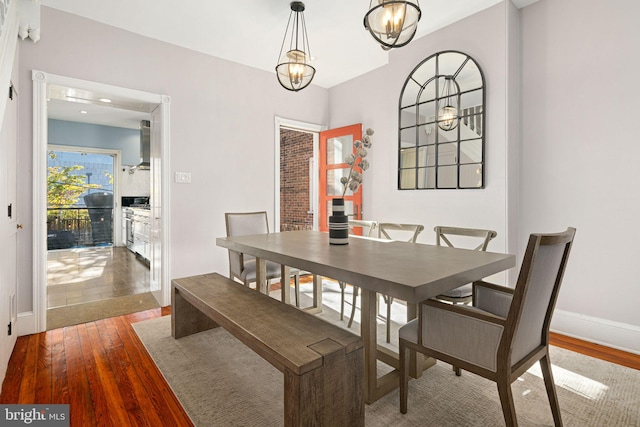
(79, 227)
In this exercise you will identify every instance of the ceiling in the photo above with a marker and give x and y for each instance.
(250, 32)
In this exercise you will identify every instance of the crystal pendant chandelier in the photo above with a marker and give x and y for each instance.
(293, 70)
(448, 114)
(392, 23)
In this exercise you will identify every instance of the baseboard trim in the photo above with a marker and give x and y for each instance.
(621, 336)
(26, 324)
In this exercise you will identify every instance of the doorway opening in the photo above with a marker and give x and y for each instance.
(90, 273)
(296, 177)
(80, 197)
(297, 180)
(85, 97)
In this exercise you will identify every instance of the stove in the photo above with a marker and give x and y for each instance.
(135, 202)
(128, 203)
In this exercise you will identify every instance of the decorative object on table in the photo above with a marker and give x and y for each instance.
(392, 23)
(339, 221)
(294, 70)
(338, 224)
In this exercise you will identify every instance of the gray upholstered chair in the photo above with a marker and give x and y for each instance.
(504, 333)
(361, 228)
(243, 267)
(462, 294)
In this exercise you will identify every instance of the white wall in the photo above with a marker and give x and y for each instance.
(222, 127)
(579, 158)
(75, 134)
(373, 100)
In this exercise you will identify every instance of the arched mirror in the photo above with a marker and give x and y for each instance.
(441, 124)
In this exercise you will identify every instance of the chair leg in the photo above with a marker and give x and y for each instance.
(296, 284)
(545, 366)
(457, 370)
(343, 285)
(353, 306)
(389, 301)
(404, 377)
(506, 400)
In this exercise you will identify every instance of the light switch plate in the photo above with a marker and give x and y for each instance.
(183, 177)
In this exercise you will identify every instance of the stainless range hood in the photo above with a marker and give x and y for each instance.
(145, 146)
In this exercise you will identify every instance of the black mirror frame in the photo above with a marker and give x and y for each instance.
(435, 168)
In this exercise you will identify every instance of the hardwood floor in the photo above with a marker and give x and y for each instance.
(612, 355)
(104, 372)
(100, 368)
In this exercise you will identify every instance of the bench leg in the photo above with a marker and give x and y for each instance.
(331, 395)
(185, 318)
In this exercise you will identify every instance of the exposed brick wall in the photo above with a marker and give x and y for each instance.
(296, 148)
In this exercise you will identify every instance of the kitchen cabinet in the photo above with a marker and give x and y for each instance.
(141, 224)
(127, 232)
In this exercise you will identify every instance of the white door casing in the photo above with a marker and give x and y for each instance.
(160, 288)
(35, 321)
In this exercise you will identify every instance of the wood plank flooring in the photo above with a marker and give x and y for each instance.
(612, 355)
(104, 372)
(100, 368)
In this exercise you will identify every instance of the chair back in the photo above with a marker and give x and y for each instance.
(535, 294)
(243, 224)
(444, 233)
(366, 228)
(399, 232)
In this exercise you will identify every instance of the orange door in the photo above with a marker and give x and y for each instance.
(335, 145)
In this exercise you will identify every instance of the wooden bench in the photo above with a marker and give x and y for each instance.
(323, 365)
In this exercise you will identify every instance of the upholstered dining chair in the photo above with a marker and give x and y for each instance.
(243, 267)
(365, 229)
(503, 333)
(473, 236)
(390, 231)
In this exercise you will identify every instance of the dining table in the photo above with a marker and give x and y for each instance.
(412, 272)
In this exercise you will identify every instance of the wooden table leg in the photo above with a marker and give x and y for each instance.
(261, 275)
(316, 307)
(317, 292)
(368, 332)
(374, 387)
(285, 284)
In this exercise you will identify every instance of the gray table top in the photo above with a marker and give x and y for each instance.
(409, 271)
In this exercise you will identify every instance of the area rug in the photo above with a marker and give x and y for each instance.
(90, 311)
(220, 382)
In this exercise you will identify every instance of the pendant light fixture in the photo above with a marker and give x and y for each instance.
(392, 23)
(293, 70)
(448, 114)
